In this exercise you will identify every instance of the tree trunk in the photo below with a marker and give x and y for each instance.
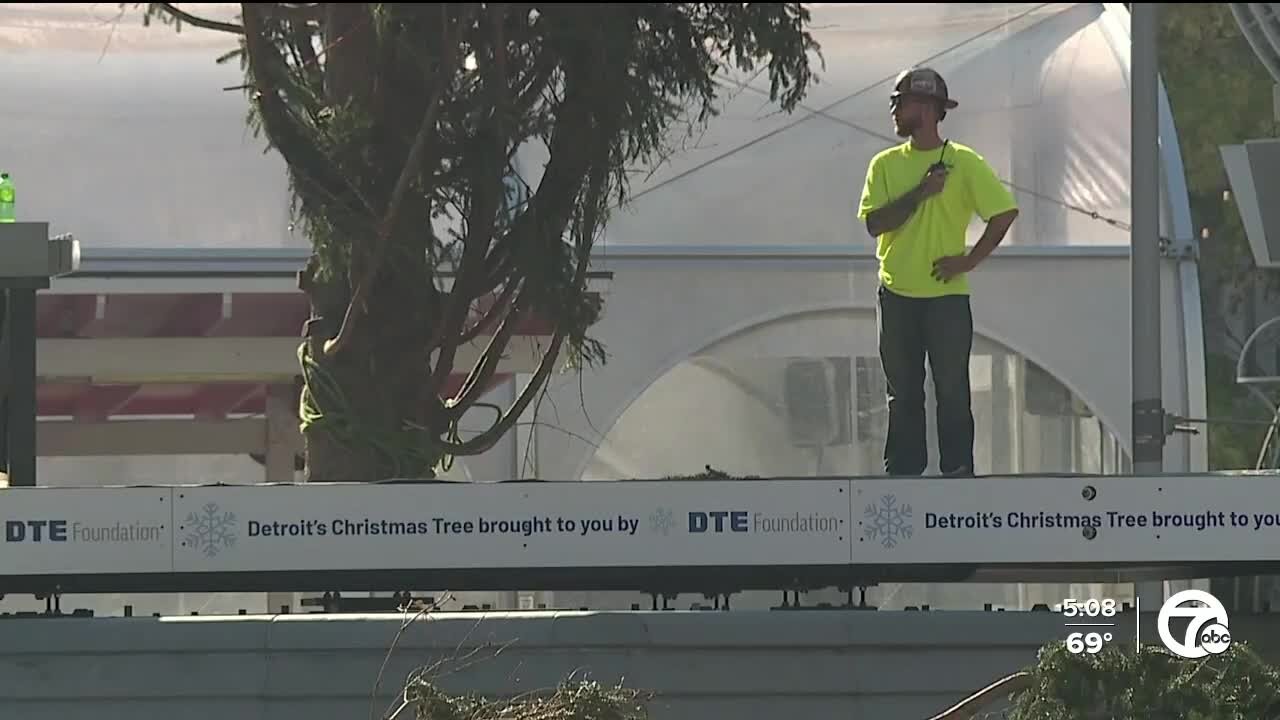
(366, 412)
(364, 437)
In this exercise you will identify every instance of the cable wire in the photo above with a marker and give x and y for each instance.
(1122, 225)
(827, 108)
(825, 112)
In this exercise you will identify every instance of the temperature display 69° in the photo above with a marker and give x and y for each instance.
(1089, 623)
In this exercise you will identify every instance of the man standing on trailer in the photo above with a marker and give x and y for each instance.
(918, 200)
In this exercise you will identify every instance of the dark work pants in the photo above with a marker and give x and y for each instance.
(911, 330)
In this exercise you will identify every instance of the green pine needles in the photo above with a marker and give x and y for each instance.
(1120, 683)
(572, 700)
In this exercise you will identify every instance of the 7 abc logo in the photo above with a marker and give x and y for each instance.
(1206, 632)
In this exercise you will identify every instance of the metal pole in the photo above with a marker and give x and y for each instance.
(22, 387)
(1148, 406)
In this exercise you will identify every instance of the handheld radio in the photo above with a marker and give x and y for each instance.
(940, 165)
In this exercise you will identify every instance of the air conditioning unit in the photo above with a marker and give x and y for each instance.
(1253, 169)
(817, 396)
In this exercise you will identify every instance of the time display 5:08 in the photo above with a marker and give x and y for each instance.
(1091, 607)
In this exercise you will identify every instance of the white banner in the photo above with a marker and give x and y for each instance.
(55, 531)
(1028, 520)
(511, 525)
(1043, 520)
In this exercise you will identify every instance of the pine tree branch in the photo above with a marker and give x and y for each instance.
(486, 440)
(312, 172)
(486, 367)
(487, 189)
(194, 21)
(595, 136)
(967, 708)
(497, 310)
(308, 62)
(450, 58)
(499, 264)
(490, 437)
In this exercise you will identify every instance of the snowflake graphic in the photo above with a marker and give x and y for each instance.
(887, 521)
(210, 531)
(661, 521)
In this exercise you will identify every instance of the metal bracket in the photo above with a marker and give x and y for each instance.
(1178, 249)
(1149, 430)
(1178, 424)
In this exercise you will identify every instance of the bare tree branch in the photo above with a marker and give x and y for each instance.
(423, 611)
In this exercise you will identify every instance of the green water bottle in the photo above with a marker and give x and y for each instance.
(8, 212)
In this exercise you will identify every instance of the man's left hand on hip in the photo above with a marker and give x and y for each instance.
(948, 267)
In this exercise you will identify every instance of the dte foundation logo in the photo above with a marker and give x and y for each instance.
(16, 531)
(1206, 632)
(71, 531)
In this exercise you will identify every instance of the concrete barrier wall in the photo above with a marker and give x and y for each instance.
(702, 665)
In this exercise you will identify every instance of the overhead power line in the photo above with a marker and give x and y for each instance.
(825, 112)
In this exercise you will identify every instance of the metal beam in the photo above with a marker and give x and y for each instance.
(151, 437)
(186, 360)
(214, 270)
(1147, 375)
(20, 406)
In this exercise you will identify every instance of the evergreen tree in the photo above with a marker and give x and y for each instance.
(1124, 683)
(399, 125)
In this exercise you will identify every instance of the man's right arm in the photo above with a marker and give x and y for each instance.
(892, 216)
(883, 215)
